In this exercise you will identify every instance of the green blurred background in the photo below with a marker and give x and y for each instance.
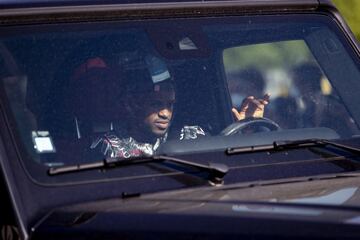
(282, 54)
(350, 10)
(275, 60)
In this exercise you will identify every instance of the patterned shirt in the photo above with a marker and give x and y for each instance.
(113, 146)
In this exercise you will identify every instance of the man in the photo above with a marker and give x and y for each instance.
(148, 99)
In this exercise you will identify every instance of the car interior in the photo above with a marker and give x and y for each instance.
(69, 111)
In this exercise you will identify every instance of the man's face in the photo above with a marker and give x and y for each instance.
(156, 111)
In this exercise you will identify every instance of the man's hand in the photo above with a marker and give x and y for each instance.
(251, 107)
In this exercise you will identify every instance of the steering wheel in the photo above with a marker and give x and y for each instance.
(254, 124)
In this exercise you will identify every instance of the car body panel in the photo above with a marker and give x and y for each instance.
(284, 207)
(155, 10)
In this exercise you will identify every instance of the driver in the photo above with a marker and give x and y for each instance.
(148, 102)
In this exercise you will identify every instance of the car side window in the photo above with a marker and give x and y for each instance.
(301, 94)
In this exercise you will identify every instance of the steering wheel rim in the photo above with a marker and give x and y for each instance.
(237, 127)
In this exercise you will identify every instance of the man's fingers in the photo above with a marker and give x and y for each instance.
(248, 99)
(236, 114)
(251, 107)
(266, 99)
(245, 103)
(256, 102)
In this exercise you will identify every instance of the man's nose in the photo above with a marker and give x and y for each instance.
(165, 113)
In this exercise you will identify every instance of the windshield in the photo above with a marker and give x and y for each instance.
(78, 93)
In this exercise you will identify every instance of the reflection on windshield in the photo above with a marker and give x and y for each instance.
(124, 92)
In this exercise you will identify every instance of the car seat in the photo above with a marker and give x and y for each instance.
(93, 107)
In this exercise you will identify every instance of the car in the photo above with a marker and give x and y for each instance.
(177, 119)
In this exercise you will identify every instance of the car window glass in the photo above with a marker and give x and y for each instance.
(301, 94)
(78, 93)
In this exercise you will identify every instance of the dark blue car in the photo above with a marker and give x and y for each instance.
(178, 120)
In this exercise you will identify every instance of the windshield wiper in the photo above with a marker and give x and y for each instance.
(285, 145)
(216, 170)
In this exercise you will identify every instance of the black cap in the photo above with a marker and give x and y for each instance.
(152, 76)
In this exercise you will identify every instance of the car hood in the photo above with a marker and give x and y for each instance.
(312, 204)
(287, 204)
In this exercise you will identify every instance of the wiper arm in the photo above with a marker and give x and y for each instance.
(285, 145)
(216, 170)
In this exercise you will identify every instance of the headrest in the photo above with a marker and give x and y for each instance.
(94, 91)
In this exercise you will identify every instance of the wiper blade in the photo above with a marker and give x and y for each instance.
(285, 145)
(216, 171)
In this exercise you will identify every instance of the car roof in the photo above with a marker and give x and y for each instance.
(18, 11)
(47, 3)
